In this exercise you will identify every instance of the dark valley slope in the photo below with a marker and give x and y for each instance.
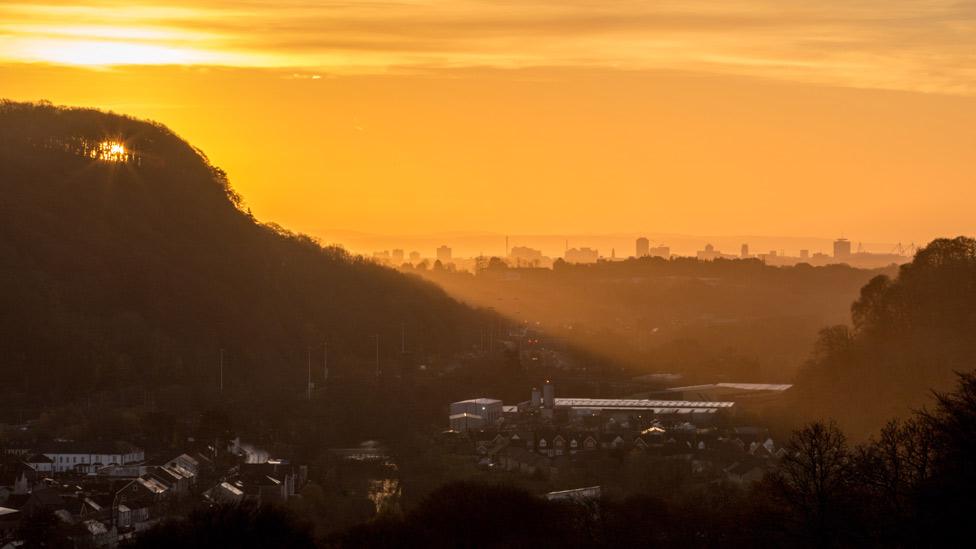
(909, 335)
(726, 320)
(135, 273)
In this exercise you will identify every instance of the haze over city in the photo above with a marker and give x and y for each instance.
(487, 273)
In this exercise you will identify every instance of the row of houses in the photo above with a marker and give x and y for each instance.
(552, 442)
(83, 457)
(98, 510)
(741, 455)
(102, 497)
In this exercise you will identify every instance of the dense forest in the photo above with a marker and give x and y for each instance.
(724, 320)
(127, 263)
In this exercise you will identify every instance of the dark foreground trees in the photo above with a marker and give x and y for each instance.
(911, 486)
(246, 526)
(815, 480)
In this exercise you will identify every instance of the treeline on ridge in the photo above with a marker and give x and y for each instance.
(136, 274)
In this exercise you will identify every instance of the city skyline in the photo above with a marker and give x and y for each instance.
(487, 244)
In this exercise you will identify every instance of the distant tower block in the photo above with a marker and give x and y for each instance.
(548, 400)
(643, 247)
(443, 254)
(842, 248)
(745, 251)
(536, 398)
(804, 254)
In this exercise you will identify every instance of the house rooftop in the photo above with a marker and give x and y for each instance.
(231, 488)
(465, 415)
(152, 485)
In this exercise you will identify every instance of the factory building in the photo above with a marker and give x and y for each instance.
(480, 413)
(684, 410)
(475, 413)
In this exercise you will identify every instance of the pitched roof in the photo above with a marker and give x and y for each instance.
(151, 484)
(229, 488)
(95, 527)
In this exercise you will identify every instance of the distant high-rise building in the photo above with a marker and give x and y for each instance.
(523, 255)
(582, 255)
(414, 257)
(443, 254)
(709, 253)
(745, 251)
(643, 247)
(804, 254)
(397, 256)
(842, 248)
(660, 251)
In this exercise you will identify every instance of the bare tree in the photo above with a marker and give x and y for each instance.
(815, 479)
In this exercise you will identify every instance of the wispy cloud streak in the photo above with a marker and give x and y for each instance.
(917, 45)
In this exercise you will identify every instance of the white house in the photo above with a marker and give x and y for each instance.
(88, 458)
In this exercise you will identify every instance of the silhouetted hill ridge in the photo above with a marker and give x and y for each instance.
(140, 270)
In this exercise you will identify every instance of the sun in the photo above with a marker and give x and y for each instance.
(111, 151)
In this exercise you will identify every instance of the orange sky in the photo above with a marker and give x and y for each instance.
(531, 116)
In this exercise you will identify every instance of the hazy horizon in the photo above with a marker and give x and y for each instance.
(488, 243)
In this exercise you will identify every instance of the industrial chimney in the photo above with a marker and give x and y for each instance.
(549, 395)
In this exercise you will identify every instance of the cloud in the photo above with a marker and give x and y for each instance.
(917, 45)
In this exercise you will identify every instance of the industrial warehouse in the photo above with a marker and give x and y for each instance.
(574, 437)
(544, 406)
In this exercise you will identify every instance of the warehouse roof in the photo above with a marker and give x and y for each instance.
(739, 386)
(679, 406)
(482, 401)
